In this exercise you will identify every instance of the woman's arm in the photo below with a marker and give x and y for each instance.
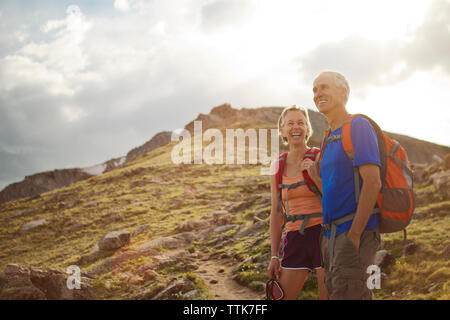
(276, 221)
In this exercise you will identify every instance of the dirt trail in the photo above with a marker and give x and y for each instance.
(217, 276)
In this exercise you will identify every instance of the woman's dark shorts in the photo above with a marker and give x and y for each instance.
(302, 251)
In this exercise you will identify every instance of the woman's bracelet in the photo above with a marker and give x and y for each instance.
(275, 257)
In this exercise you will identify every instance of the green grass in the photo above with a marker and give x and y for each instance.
(152, 191)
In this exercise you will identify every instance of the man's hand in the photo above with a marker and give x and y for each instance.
(355, 239)
(370, 175)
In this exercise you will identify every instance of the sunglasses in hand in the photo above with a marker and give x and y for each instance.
(273, 290)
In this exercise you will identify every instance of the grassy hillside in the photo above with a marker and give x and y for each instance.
(152, 198)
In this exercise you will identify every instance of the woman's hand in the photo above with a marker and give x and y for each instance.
(274, 269)
(311, 167)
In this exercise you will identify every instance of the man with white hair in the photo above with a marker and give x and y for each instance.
(351, 235)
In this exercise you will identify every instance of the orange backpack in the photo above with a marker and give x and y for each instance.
(395, 202)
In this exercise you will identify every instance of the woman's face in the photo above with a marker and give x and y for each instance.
(294, 129)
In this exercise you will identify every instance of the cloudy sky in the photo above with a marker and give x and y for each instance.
(85, 81)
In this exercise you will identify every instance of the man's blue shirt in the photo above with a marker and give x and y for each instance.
(336, 171)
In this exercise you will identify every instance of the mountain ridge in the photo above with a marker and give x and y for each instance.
(419, 151)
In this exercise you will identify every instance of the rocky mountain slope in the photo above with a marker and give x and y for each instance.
(220, 117)
(152, 229)
(38, 183)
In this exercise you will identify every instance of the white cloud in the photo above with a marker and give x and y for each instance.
(71, 114)
(122, 5)
(52, 65)
(21, 34)
(18, 71)
(219, 14)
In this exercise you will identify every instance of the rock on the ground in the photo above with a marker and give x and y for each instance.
(164, 242)
(20, 283)
(410, 248)
(188, 237)
(32, 225)
(383, 258)
(114, 240)
(447, 162)
(224, 228)
(192, 225)
(441, 182)
(190, 294)
(222, 217)
(93, 256)
(254, 228)
(176, 287)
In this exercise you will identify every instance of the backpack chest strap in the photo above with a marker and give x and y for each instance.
(305, 218)
(333, 138)
(288, 187)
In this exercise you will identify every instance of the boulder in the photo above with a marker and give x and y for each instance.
(114, 240)
(192, 225)
(32, 225)
(383, 258)
(447, 162)
(225, 228)
(190, 294)
(419, 172)
(15, 284)
(254, 228)
(141, 229)
(19, 283)
(187, 236)
(222, 217)
(437, 159)
(179, 286)
(93, 256)
(410, 248)
(164, 242)
(441, 182)
(240, 206)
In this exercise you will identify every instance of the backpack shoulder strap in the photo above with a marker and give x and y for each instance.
(281, 164)
(322, 147)
(279, 179)
(347, 142)
(311, 153)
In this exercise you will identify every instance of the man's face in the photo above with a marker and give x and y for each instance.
(326, 95)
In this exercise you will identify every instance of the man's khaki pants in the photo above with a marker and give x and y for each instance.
(347, 279)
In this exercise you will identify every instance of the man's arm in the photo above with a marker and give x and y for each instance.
(370, 174)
